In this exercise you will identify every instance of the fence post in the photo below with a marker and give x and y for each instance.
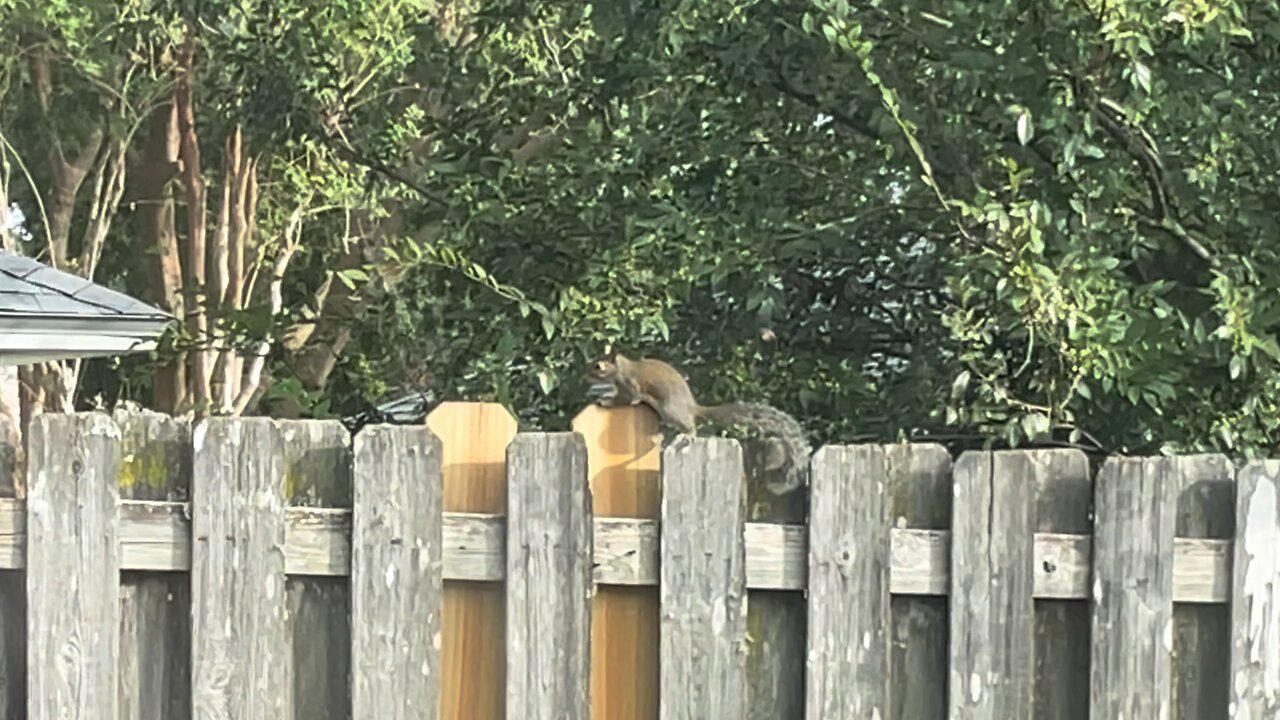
(1255, 595)
(849, 602)
(1132, 629)
(396, 574)
(549, 582)
(474, 439)
(703, 580)
(239, 635)
(624, 463)
(73, 568)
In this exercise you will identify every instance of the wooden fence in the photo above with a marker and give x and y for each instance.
(262, 570)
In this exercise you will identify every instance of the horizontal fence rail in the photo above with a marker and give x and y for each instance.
(251, 568)
(156, 536)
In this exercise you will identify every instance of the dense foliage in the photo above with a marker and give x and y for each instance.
(1048, 222)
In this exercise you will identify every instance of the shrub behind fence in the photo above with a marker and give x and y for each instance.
(279, 569)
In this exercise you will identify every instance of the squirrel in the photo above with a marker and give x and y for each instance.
(662, 387)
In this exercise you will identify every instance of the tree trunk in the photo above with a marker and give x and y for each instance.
(152, 183)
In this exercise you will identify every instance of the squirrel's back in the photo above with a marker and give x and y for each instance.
(772, 422)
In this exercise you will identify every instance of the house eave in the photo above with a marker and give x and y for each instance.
(27, 339)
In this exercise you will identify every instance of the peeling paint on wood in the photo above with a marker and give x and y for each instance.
(1255, 604)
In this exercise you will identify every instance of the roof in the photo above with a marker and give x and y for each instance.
(47, 314)
(28, 287)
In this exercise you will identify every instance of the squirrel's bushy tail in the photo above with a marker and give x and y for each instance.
(771, 422)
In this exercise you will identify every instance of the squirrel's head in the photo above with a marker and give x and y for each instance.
(605, 369)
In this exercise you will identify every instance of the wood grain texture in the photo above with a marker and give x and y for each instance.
(919, 488)
(396, 580)
(317, 472)
(239, 632)
(474, 439)
(776, 621)
(1202, 633)
(1255, 603)
(1063, 488)
(1132, 623)
(848, 600)
(624, 460)
(73, 568)
(991, 604)
(155, 629)
(549, 586)
(702, 581)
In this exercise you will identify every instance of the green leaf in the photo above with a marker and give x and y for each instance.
(1025, 129)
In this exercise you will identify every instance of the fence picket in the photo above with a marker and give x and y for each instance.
(992, 609)
(317, 471)
(1063, 495)
(549, 559)
(73, 568)
(155, 632)
(1132, 627)
(702, 581)
(849, 602)
(396, 574)
(1255, 598)
(239, 633)
(1202, 631)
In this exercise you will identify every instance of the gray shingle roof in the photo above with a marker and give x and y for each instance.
(32, 289)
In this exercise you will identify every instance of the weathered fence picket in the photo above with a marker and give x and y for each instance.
(396, 574)
(919, 487)
(849, 601)
(1133, 589)
(155, 608)
(239, 633)
(317, 474)
(1063, 495)
(992, 609)
(549, 542)
(1201, 631)
(253, 568)
(1255, 594)
(703, 583)
(73, 568)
